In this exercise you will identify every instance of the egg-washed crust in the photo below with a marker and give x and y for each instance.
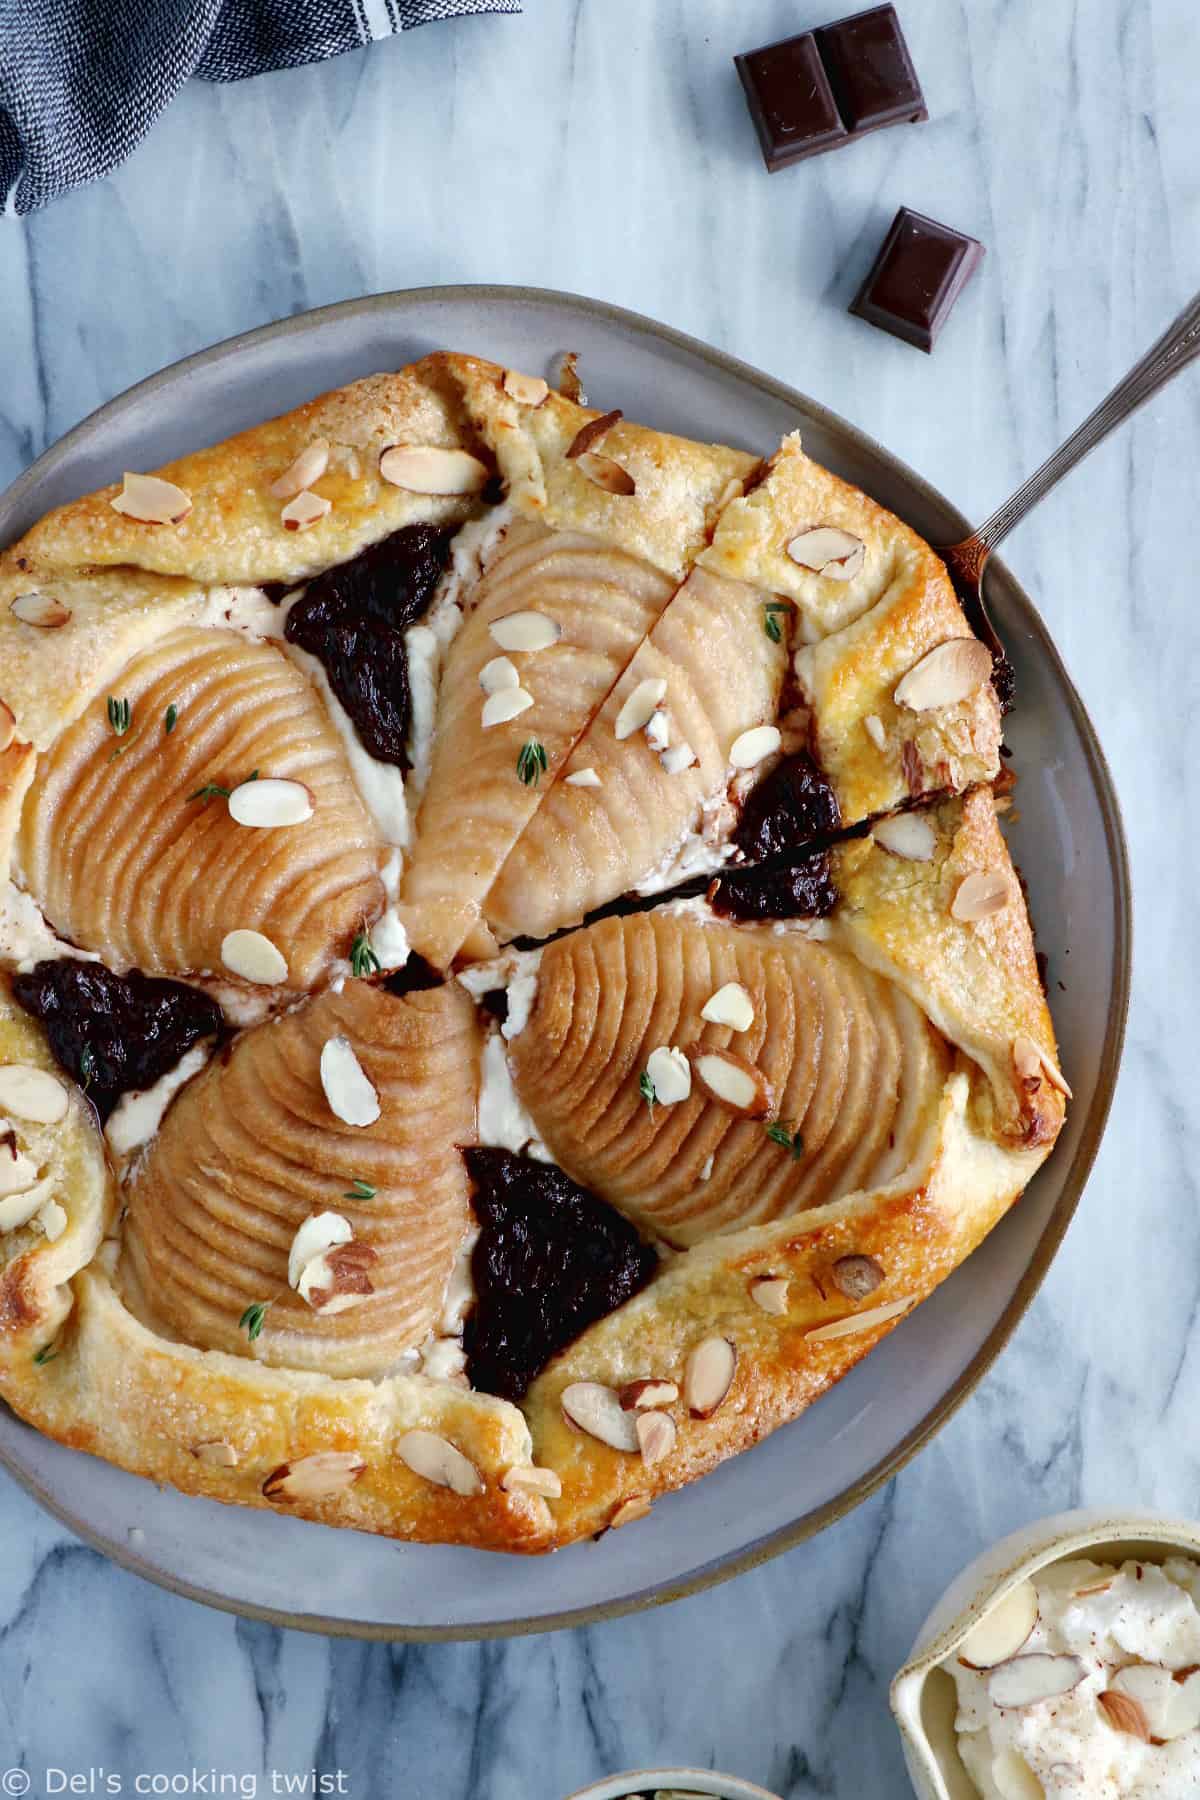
(80, 1367)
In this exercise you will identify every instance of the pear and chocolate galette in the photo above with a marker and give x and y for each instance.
(511, 981)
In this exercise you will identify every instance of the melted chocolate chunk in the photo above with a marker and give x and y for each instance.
(114, 1034)
(413, 977)
(353, 619)
(551, 1259)
(787, 808)
(795, 890)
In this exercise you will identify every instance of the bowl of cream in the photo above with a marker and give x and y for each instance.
(672, 1784)
(1063, 1664)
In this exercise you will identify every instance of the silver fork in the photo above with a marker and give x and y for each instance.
(1173, 351)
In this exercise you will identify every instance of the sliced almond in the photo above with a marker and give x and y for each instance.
(678, 758)
(429, 469)
(151, 500)
(314, 1236)
(656, 1435)
(305, 510)
(569, 384)
(947, 674)
(254, 957)
(979, 895)
(731, 1005)
(1003, 1630)
(658, 730)
(338, 1279)
(525, 631)
(865, 1321)
(1157, 1693)
(829, 551)
(308, 467)
(317, 1477)
(216, 1452)
(636, 1507)
(18, 1172)
(32, 1094)
(604, 473)
(437, 1460)
(1183, 1712)
(873, 726)
(640, 707)
(8, 726)
(1032, 1063)
(505, 704)
(42, 610)
(585, 778)
(649, 1391)
(1028, 1680)
(350, 1094)
(856, 1276)
(591, 433)
(708, 1375)
(1124, 1713)
(907, 835)
(1013, 1777)
(528, 1478)
(20, 1208)
(53, 1221)
(771, 1293)
(748, 750)
(671, 1074)
(733, 1082)
(597, 1410)
(499, 674)
(526, 390)
(271, 802)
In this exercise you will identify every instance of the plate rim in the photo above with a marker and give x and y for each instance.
(798, 1531)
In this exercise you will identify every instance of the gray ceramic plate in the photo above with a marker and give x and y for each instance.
(1068, 843)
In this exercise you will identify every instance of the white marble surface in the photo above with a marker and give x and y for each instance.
(602, 146)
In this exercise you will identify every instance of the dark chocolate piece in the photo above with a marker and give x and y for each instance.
(919, 273)
(812, 92)
(787, 809)
(114, 1034)
(550, 1261)
(800, 889)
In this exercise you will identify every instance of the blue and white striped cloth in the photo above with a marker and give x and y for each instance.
(81, 81)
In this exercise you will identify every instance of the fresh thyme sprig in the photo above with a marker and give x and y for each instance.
(771, 611)
(172, 718)
(87, 1066)
(212, 790)
(359, 1190)
(780, 1133)
(120, 715)
(251, 1321)
(532, 762)
(46, 1354)
(647, 1091)
(363, 960)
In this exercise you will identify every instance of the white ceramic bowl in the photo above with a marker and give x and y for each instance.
(923, 1694)
(686, 1781)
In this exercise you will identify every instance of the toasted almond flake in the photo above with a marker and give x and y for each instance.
(254, 957)
(771, 1293)
(305, 510)
(1124, 1713)
(53, 1220)
(270, 802)
(1013, 1777)
(216, 1452)
(569, 384)
(499, 674)
(828, 551)
(1030, 1679)
(731, 1005)
(908, 836)
(151, 500)
(591, 433)
(748, 750)
(1003, 1630)
(525, 631)
(656, 1435)
(865, 1321)
(350, 1094)
(429, 469)
(640, 707)
(733, 1082)
(338, 1278)
(945, 675)
(1031, 1063)
(678, 758)
(437, 1460)
(856, 1276)
(18, 1209)
(8, 727)
(505, 704)
(597, 1410)
(873, 726)
(18, 1173)
(708, 1375)
(604, 472)
(42, 610)
(658, 730)
(314, 1236)
(636, 1507)
(320, 1476)
(32, 1094)
(585, 778)
(526, 390)
(979, 895)
(308, 467)
(528, 1478)
(649, 1391)
(671, 1074)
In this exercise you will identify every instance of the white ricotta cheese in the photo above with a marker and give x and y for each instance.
(137, 1116)
(25, 937)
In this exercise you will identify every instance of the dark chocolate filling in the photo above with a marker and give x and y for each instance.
(550, 1261)
(413, 976)
(801, 888)
(353, 618)
(787, 809)
(114, 1034)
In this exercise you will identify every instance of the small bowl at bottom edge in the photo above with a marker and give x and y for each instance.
(687, 1781)
(923, 1696)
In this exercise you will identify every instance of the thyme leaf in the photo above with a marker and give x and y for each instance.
(120, 715)
(646, 1090)
(172, 718)
(363, 960)
(781, 1133)
(532, 762)
(251, 1321)
(359, 1190)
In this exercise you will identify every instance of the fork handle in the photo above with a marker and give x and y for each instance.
(1175, 349)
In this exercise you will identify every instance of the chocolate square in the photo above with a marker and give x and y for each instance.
(790, 100)
(921, 269)
(870, 70)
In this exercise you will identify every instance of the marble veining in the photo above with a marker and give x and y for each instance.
(603, 146)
